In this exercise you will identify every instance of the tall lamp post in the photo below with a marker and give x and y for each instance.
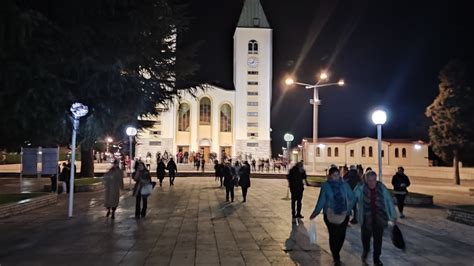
(288, 138)
(131, 132)
(78, 110)
(315, 102)
(379, 117)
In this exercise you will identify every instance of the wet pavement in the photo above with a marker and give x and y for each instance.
(191, 224)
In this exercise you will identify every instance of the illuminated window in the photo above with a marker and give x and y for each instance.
(205, 111)
(183, 117)
(226, 118)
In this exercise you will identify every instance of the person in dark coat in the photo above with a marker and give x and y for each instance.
(203, 162)
(244, 181)
(228, 182)
(172, 169)
(400, 182)
(295, 182)
(160, 171)
(353, 179)
(142, 177)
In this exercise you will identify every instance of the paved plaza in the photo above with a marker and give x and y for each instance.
(191, 224)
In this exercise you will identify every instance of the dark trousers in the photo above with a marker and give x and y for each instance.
(172, 176)
(139, 197)
(296, 197)
(229, 190)
(221, 179)
(244, 193)
(377, 233)
(337, 235)
(354, 212)
(400, 201)
(54, 183)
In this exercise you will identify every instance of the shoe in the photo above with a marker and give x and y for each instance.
(378, 263)
(137, 217)
(337, 263)
(299, 216)
(354, 221)
(402, 216)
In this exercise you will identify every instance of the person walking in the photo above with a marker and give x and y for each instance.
(160, 171)
(142, 178)
(375, 207)
(335, 200)
(228, 182)
(172, 169)
(295, 178)
(353, 179)
(203, 162)
(400, 182)
(113, 183)
(244, 180)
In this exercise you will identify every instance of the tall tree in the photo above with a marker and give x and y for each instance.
(452, 113)
(118, 57)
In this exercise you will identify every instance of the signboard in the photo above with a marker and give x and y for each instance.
(50, 158)
(29, 161)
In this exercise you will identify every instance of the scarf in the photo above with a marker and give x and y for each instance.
(340, 204)
(380, 217)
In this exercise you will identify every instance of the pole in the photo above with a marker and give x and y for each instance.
(315, 124)
(131, 160)
(73, 159)
(288, 154)
(379, 144)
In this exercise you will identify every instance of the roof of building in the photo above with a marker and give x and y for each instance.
(348, 139)
(252, 15)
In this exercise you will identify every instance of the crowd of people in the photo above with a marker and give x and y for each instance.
(352, 192)
(350, 195)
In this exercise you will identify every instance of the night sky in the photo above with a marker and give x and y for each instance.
(388, 52)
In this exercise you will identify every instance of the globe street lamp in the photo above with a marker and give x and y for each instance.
(131, 132)
(78, 110)
(288, 138)
(379, 117)
(315, 102)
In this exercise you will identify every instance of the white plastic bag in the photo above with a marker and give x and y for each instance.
(312, 231)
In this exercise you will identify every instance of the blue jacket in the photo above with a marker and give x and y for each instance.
(326, 198)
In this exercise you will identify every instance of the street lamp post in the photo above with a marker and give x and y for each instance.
(78, 110)
(315, 102)
(131, 132)
(379, 117)
(288, 138)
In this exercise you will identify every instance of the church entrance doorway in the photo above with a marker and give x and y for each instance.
(205, 150)
(183, 154)
(226, 152)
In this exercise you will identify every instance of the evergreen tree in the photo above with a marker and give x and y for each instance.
(117, 57)
(452, 113)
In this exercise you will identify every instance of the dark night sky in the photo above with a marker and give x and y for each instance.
(388, 52)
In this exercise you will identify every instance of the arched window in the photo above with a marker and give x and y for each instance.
(318, 152)
(205, 111)
(371, 152)
(253, 47)
(336, 152)
(226, 118)
(404, 153)
(329, 152)
(396, 152)
(362, 151)
(183, 117)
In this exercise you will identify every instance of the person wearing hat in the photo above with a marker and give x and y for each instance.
(295, 182)
(400, 182)
(375, 205)
(335, 200)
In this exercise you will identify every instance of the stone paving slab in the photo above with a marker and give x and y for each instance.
(191, 224)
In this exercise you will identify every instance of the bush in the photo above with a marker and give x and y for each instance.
(10, 198)
(87, 181)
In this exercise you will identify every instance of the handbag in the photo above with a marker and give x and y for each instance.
(312, 232)
(397, 238)
(146, 189)
(335, 218)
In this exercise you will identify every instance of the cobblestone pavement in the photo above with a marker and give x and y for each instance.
(191, 224)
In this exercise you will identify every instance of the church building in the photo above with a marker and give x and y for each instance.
(226, 123)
